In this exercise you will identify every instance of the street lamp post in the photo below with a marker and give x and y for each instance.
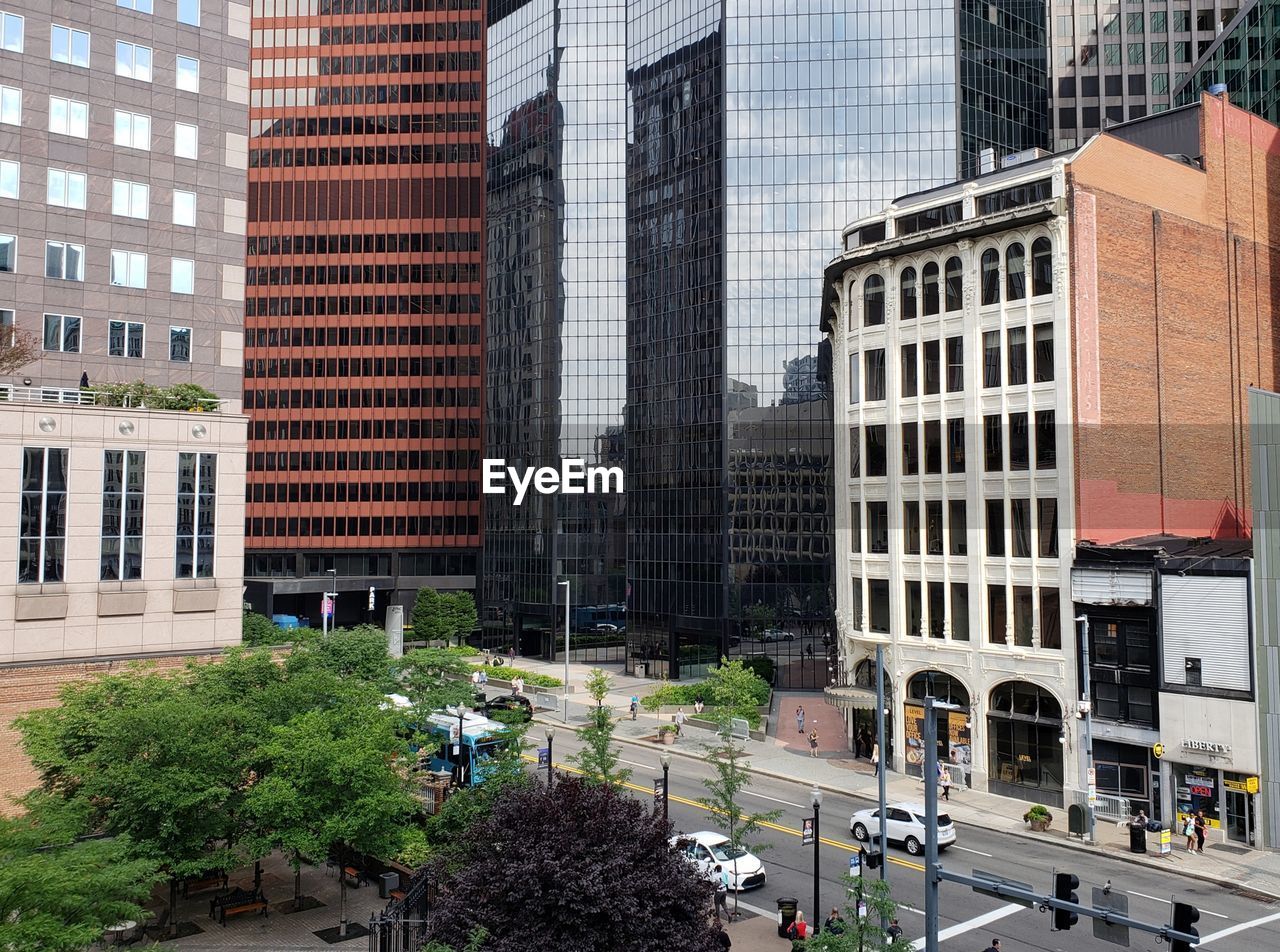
(815, 798)
(565, 583)
(665, 758)
(551, 736)
(1086, 705)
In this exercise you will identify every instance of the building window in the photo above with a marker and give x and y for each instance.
(932, 367)
(197, 500)
(69, 46)
(855, 387)
(957, 527)
(933, 447)
(997, 615)
(133, 130)
(909, 370)
(1122, 681)
(66, 189)
(855, 529)
(1043, 352)
(959, 611)
(1159, 84)
(907, 295)
(915, 611)
(184, 208)
(995, 528)
(188, 74)
(990, 359)
(1020, 527)
(180, 344)
(911, 526)
(875, 382)
(877, 451)
(138, 6)
(62, 333)
(873, 301)
(955, 364)
(994, 444)
(1046, 440)
(937, 610)
(855, 452)
(1017, 360)
(878, 528)
(1047, 527)
(130, 199)
(1015, 272)
(991, 276)
(1041, 267)
(63, 260)
(133, 61)
(68, 117)
(123, 495)
(1019, 443)
(955, 284)
(10, 106)
(1159, 54)
(186, 143)
(1182, 21)
(910, 449)
(42, 528)
(129, 269)
(929, 278)
(189, 12)
(1137, 54)
(1050, 619)
(933, 527)
(6, 326)
(878, 591)
(11, 32)
(955, 446)
(1182, 51)
(1024, 728)
(1160, 22)
(125, 339)
(1023, 619)
(182, 279)
(8, 253)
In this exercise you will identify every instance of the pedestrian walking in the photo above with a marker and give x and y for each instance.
(511, 653)
(835, 922)
(944, 780)
(1202, 828)
(722, 892)
(517, 685)
(894, 931)
(799, 720)
(994, 946)
(475, 678)
(875, 759)
(484, 678)
(680, 718)
(635, 706)
(722, 937)
(1189, 831)
(813, 741)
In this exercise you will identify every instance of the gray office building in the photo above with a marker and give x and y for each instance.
(735, 141)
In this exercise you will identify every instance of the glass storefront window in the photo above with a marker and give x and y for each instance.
(1024, 749)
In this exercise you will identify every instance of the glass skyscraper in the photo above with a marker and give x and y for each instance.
(1245, 58)
(753, 134)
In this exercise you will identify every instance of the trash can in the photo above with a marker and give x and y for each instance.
(787, 909)
(386, 883)
(641, 670)
(1137, 838)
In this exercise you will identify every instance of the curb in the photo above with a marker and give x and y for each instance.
(1130, 858)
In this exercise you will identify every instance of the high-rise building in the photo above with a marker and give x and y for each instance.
(750, 135)
(363, 336)
(1112, 62)
(1245, 58)
(122, 223)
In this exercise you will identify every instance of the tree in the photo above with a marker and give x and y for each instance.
(862, 933)
(734, 690)
(18, 348)
(723, 801)
(439, 617)
(259, 630)
(58, 893)
(596, 874)
(358, 653)
(599, 759)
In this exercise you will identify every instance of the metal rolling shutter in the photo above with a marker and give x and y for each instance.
(1206, 618)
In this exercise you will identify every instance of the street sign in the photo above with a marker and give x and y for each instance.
(806, 832)
(1113, 902)
(326, 607)
(659, 788)
(1166, 842)
(1093, 787)
(855, 864)
(544, 756)
(992, 880)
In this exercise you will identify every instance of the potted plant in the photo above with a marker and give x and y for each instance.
(1039, 817)
(667, 733)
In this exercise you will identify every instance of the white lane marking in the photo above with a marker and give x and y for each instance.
(967, 850)
(766, 913)
(902, 906)
(1207, 912)
(975, 923)
(774, 799)
(1240, 928)
(632, 763)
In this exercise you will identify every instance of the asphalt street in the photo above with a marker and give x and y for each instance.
(1229, 919)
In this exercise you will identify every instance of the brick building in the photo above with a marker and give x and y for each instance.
(363, 308)
(1054, 354)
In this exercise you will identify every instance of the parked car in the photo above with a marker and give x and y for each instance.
(506, 702)
(708, 849)
(776, 634)
(904, 823)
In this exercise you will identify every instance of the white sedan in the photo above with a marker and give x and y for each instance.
(707, 850)
(904, 823)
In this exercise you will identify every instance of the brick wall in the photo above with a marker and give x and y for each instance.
(1174, 276)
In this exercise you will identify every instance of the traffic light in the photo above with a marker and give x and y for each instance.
(1185, 916)
(1064, 887)
(872, 859)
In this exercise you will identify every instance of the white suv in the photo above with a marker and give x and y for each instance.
(904, 823)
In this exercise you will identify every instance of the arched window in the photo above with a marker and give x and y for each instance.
(907, 295)
(1041, 267)
(1024, 727)
(942, 686)
(873, 301)
(1015, 268)
(955, 284)
(954, 740)
(929, 278)
(991, 276)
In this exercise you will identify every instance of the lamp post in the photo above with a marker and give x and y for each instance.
(457, 751)
(551, 736)
(330, 592)
(1086, 706)
(815, 798)
(565, 583)
(665, 758)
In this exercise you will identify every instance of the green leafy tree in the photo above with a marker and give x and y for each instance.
(724, 801)
(599, 759)
(440, 616)
(58, 893)
(258, 630)
(862, 933)
(734, 690)
(359, 654)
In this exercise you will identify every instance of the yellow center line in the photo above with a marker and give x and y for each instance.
(771, 826)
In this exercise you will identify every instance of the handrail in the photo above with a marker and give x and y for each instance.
(71, 396)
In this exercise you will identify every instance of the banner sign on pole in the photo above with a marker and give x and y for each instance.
(659, 786)
(544, 756)
(806, 832)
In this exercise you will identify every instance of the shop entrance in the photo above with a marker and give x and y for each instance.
(1240, 819)
(954, 744)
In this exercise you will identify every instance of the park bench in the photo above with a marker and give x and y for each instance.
(211, 881)
(235, 903)
(256, 905)
(353, 876)
(397, 894)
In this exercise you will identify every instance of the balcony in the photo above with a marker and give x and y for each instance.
(187, 398)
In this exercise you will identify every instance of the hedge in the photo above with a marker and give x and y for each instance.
(506, 673)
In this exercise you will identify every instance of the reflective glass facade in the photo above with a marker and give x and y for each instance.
(1246, 58)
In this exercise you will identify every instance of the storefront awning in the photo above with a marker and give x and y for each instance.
(850, 698)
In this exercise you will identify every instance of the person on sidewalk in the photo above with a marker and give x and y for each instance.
(800, 720)
(799, 929)
(517, 685)
(1202, 829)
(894, 931)
(722, 893)
(635, 706)
(835, 922)
(1189, 831)
(944, 781)
(875, 760)
(994, 946)
(813, 741)
(722, 937)
(511, 654)
(680, 718)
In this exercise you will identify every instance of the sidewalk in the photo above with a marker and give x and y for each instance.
(839, 772)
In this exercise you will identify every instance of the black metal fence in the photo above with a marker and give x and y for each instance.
(402, 926)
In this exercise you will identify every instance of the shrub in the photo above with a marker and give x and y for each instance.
(506, 673)
(761, 666)
(259, 630)
(188, 397)
(1038, 813)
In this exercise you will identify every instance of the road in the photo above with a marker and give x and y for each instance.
(1230, 920)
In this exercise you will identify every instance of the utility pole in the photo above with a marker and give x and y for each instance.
(931, 826)
(1086, 705)
(815, 798)
(882, 764)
